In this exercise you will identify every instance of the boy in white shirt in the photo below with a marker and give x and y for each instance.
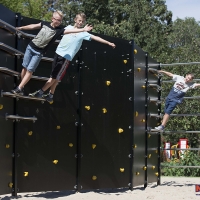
(176, 94)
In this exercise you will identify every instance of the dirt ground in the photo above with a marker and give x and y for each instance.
(171, 188)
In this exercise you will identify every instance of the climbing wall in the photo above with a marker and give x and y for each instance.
(94, 135)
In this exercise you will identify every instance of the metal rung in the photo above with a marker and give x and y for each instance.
(15, 52)
(154, 65)
(174, 115)
(152, 69)
(155, 100)
(176, 64)
(171, 81)
(155, 85)
(155, 131)
(14, 73)
(189, 149)
(9, 94)
(155, 115)
(18, 118)
(180, 166)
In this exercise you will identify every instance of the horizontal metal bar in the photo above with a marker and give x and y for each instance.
(155, 100)
(152, 69)
(176, 64)
(171, 81)
(18, 118)
(176, 166)
(14, 73)
(16, 52)
(189, 149)
(194, 97)
(9, 94)
(155, 131)
(174, 115)
(154, 65)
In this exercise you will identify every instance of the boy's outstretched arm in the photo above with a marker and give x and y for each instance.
(29, 27)
(78, 30)
(166, 73)
(98, 39)
(195, 85)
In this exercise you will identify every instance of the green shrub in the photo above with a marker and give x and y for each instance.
(191, 158)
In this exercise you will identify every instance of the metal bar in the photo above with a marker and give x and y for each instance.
(155, 131)
(176, 64)
(18, 118)
(158, 88)
(194, 97)
(14, 73)
(171, 81)
(189, 149)
(16, 52)
(155, 100)
(174, 115)
(180, 166)
(146, 118)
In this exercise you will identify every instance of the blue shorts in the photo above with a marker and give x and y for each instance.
(31, 59)
(169, 106)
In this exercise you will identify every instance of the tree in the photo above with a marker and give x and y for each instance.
(38, 9)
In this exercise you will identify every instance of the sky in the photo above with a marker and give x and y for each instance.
(184, 8)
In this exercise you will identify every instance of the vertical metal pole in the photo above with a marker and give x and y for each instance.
(132, 120)
(159, 136)
(79, 155)
(14, 154)
(146, 117)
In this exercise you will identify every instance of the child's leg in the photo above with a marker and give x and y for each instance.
(23, 72)
(165, 119)
(169, 107)
(48, 84)
(53, 87)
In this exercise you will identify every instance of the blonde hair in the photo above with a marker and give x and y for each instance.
(59, 12)
(82, 15)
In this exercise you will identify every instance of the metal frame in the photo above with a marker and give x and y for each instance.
(173, 64)
(18, 118)
(155, 131)
(188, 166)
(17, 74)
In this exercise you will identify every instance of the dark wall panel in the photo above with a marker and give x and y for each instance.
(53, 139)
(6, 105)
(139, 116)
(153, 139)
(105, 151)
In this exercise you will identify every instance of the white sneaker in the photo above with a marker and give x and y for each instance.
(160, 128)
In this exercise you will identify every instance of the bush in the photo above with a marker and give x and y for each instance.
(190, 159)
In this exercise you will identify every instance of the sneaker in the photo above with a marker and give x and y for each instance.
(17, 91)
(36, 94)
(47, 98)
(160, 128)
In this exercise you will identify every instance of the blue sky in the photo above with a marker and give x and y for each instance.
(184, 8)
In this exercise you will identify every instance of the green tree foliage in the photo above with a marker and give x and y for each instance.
(38, 9)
